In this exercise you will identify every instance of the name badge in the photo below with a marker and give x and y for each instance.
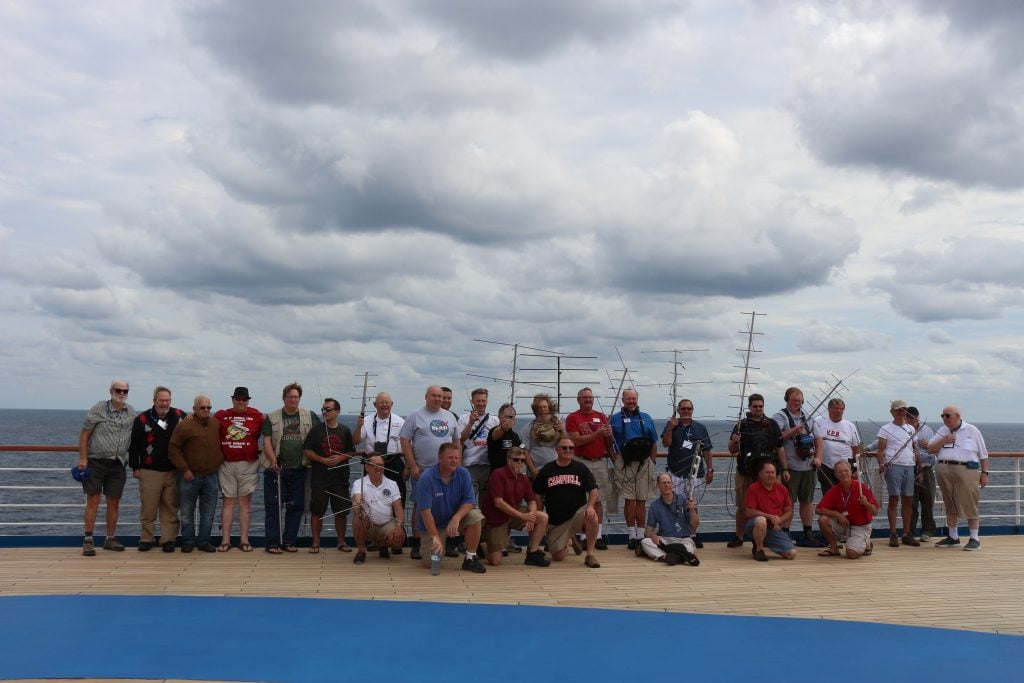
(687, 444)
(162, 424)
(626, 420)
(596, 419)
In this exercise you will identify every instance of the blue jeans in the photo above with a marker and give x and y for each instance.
(205, 489)
(293, 494)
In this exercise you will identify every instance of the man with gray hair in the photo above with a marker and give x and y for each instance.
(195, 451)
(835, 440)
(962, 473)
(103, 452)
(896, 462)
(150, 464)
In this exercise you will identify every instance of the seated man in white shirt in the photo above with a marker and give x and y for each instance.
(378, 511)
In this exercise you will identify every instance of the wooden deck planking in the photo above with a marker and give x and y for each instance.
(896, 585)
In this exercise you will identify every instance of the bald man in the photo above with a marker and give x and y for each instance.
(962, 472)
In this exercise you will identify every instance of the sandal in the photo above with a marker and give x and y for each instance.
(223, 547)
(289, 548)
(828, 552)
(245, 548)
(344, 548)
(314, 549)
(274, 550)
(871, 546)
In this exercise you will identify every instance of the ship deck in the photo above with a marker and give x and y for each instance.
(975, 595)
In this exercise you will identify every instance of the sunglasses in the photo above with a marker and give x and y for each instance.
(943, 415)
(327, 410)
(123, 392)
(566, 448)
(518, 459)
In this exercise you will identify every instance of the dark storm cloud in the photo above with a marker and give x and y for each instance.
(946, 106)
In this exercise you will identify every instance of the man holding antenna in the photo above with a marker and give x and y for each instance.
(896, 461)
(803, 460)
(687, 441)
(754, 439)
(328, 447)
(379, 435)
(473, 428)
(592, 436)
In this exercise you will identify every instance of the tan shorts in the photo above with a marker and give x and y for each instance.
(496, 537)
(379, 533)
(601, 469)
(858, 538)
(472, 517)
(558, 537)
(960, 488)
(635, 481)
(239, 478)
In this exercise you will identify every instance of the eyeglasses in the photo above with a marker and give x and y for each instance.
(327, 410)
(123, 392)
(566, 448)
(518, 459)
(203, 408)
(944, 415)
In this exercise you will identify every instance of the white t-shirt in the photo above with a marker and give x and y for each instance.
(392, 423)
(474, 449)
(968, 447)
(378, 500)
(838, 439)
(895, 436)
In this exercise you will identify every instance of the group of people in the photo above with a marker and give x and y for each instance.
(476, 478)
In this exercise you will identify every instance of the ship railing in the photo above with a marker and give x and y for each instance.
(32, 510)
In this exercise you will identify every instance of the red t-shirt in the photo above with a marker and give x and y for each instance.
(240, 434)
(835, 499)
(773, 502)
(587, 423)
(512, 490)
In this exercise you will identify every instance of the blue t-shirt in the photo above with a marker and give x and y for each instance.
(444, 499)
(626, 427)
(672, 519)
(680, 456)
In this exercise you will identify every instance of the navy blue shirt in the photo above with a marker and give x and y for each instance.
(680, 456)
(671, 519)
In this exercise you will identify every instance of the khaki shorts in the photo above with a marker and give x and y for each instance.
(960, 488)
(801, 485)
(239, 478)
(635, 481)
(601, 469)
(858, 538)
(558, 537)
(379, 533)
(472, 517)
(496, 537)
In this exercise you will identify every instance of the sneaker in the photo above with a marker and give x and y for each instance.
(633, 544)
(894, 541)
(973, 544)
(207, 547)
(512, 548)
(537, 559)
(414, 553)
(576, 547)
(760, 556)
(911, 541)
(145, 546)
(696, 543)
(592, 562)
(167, 547)
(601, 544)
(672, 559)
(89, 547)
(360, 558)
(384, 552)
(449, 549)
(925, 538)
(736, 542)
(473, 565)
(948, 542)
(111, 544)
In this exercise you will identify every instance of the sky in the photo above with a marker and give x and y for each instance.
(212, 194)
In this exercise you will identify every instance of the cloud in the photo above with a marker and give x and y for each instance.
(940, 337)
(822, 338)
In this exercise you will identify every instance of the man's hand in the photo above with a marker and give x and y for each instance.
(591, 514)
(135, 474)
(453, 528)
(436, 547)
(188, 476)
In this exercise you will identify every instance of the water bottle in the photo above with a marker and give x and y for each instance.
(435, 564)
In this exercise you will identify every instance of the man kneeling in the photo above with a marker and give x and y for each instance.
(840, 513)
(379, 514)
(670, 519)
(446, 508)
(769, 512)
(507, 489)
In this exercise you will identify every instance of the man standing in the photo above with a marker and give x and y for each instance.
(240, 428)
(669, 522)
(962, 473)
(378, 513)
(592, 436)
(636, 440)
(508, 488)
(502, 438)
(896, 462)
(688, 444)
(847, 509)
(103, 450)
(798, 441)
(158, 479)
(380, 435)
(195, 451)
(446, 401)
(452, 510)
(284, 433)
(924, 481)
(473, 428)
(570, 496)
(328, 447)
(422, 435)
(835, 440)
(769, 512)
(754, 439)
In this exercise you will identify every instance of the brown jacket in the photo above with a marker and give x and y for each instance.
(195, 446)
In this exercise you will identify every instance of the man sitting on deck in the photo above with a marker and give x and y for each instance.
(670, 521)
(769, 511)
(847, 509)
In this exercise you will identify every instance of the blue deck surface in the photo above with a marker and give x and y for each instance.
(300, 640)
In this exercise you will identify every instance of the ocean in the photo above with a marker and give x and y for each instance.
(38, 496)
